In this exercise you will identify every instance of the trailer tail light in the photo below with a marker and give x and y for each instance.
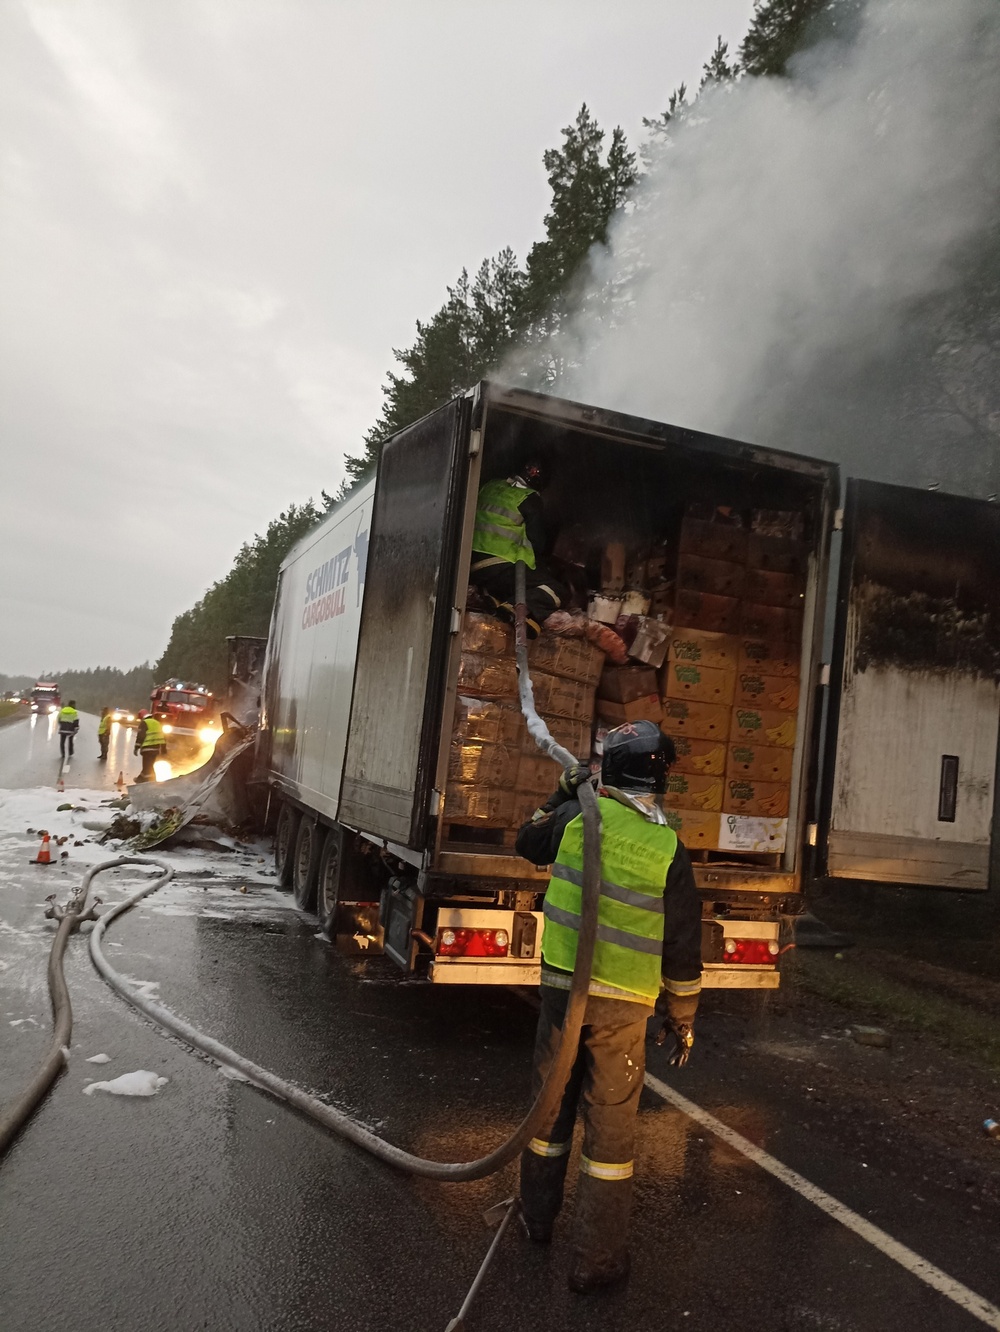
(472, 943)
(756, 952)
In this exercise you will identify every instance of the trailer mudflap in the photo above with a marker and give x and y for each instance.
(909, 782)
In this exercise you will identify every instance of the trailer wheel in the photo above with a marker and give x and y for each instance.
(284, 844)
(305, 863)
(331, 873)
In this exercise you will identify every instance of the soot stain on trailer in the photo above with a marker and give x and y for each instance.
(919, 632)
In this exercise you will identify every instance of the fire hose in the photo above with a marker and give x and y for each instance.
(328, 1116)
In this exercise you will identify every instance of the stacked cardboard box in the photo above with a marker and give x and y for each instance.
(731, 683)
(496, 774)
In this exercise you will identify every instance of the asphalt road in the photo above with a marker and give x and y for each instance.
(211, 1206)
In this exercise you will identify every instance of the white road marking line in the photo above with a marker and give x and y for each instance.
(940, 1281)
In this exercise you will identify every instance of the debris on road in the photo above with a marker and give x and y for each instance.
(991, 1128)
(99, 1059)
(139, 1083)
(876, 1037)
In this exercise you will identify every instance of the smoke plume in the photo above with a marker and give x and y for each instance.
(803, 265)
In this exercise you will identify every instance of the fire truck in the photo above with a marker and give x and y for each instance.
(188, 711)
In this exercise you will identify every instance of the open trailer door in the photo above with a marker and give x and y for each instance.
(404, 637)
(909, 788)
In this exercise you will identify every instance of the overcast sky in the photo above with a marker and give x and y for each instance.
(219, 217)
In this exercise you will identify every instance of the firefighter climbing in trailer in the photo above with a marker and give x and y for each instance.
(510, 526)
(647, 962)
(151, 743)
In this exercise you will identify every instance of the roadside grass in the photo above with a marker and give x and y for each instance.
(959, 1028)
(9, 709)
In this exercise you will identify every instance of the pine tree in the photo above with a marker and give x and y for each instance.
(782, 28)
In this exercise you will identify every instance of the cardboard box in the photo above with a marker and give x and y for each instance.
(622, 684)
(696, 828)
(765, 763)
(486, 676)
(483, 763)
(613, 567)
(767, 800)
(777, 554)
(488, 719)
(740, 832)
(769, 657)
(639, 709)
(701, 648)
(700, 721)
(774, 589)
(488, 807)
(787, 524)
(763, 727)
(569, 658)
(572, 735)
(704, 610)
(537, 775)
(703, 756)
(697, 573)
(754, 690)
(689, 790)
(556, 697)
(716, 541)
(483, 633)
(702, 684)
(758, 620)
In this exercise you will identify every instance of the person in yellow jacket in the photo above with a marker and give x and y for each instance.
(151, 743)
(104, 731)
(69, 724)
(647, 964)
(510, 526)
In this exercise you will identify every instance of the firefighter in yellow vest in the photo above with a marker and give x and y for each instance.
(104, 731)
(510, 526)
(69, 724)
(151, 743)
(647, 964)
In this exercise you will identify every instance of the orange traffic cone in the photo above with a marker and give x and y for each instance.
(44, 856)
(120, 783)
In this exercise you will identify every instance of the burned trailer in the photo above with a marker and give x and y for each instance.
(910, 770)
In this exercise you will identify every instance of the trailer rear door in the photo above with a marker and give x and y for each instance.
(405, 618)
(910, 768)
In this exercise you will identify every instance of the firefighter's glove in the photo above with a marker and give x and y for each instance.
(572, 778)
(683, 1034)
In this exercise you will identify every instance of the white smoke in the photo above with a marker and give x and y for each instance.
(786, 235)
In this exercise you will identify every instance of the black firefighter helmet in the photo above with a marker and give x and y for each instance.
(637, 757)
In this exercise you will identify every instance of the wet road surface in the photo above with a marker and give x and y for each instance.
(212, 1206)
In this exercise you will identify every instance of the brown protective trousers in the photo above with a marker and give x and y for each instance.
(607, 1079)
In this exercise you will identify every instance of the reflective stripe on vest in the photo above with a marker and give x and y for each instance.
(499, 527)
(154, 736)
(635, 857)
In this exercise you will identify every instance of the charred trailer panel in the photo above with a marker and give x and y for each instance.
(910, 768)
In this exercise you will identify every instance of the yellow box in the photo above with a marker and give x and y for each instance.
(688, 790)
(557, 697)
(486, 676)
(701, 684)
(489, 720)
(720, 652)
(572, 735)
(570, 658)
(767, 800)
(483, 633)
(697, 828)
(765, 763)
(763, 727)
(486, 764)
(701, 721)
(769, 657)
(754, 690)
(702, 756)
(488, 807)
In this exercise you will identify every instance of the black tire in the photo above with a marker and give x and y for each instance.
(305, 863)
(284, 844)
(328, 883)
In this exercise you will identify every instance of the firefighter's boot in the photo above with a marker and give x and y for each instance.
(600, 1228)
(543, 1174)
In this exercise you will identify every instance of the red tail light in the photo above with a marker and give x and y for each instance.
(472, 943)
(756, 952)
